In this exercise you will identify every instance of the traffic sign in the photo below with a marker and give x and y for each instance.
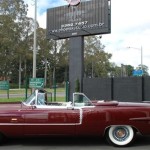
(137, 72)
(36, 82)
(4, 85)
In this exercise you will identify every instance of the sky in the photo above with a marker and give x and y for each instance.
(130, 27)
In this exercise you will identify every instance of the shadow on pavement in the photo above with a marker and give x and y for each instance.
(71, 141)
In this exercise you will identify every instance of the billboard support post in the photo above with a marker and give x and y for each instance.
(76, 63)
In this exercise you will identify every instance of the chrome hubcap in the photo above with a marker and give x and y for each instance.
(121, 133)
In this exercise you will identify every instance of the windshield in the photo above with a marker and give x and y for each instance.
(81, 100)
(31, 99)
(41, 99)
(38, 97)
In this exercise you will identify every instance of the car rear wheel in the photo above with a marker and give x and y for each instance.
(120, 135)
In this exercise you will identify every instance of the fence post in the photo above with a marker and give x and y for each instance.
(67, 91)
(26, 88)
(112, 88)
(143, 90)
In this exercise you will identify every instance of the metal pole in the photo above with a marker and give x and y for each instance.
(141, 58)
(54, 72)
(92, 68)
(45, 72)
(20, 72)
(67, 91)
(34, 46)
(26, 88)
(141, 49)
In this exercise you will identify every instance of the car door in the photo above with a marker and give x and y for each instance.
(51, 121)
(62, 121)
(11, 122)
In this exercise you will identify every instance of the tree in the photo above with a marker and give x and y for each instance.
(96, 59)
(44, 55)
(12, 15)
(115, 71)
(63, 60)
(145, 69)
(123, 71)
(16, 45)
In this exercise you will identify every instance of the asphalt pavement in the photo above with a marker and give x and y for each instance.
(141, 143)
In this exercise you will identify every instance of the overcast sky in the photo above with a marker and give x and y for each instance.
(130, 27)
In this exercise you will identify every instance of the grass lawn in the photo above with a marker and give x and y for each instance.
(2, 100)
(10, 100)
(22, 91)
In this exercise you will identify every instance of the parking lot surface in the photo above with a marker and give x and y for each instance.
(141, 143)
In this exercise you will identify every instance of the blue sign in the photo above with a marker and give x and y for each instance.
(137, 72)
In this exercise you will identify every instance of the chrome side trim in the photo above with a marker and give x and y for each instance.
(47, 124)
(36, 124)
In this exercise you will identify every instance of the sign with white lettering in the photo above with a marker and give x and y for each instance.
(4, 85)
(87, 18)
(36, 82)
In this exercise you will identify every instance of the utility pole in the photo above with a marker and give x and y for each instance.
(141, 58)
(34, 45)
(141, 49)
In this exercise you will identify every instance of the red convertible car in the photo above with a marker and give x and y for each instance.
(118, 122)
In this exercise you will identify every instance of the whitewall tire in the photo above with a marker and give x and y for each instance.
(120, 135)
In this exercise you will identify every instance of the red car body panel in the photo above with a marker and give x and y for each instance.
(19, 120)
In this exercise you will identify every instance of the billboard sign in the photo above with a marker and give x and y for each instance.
(87, 18)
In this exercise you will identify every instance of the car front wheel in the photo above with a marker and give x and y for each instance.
(120, 135)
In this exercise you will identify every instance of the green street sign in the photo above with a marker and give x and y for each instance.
(4, 85)
(36, 82)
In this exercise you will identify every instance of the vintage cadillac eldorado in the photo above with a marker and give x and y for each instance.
(118, 122)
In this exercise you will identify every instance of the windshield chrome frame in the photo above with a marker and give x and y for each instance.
(91, 104)
(34, 98)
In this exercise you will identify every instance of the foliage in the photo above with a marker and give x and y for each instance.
(123, 71)
(16, 49)
(12, 15)
(144, 68)
(96, 59)
(126, 70)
